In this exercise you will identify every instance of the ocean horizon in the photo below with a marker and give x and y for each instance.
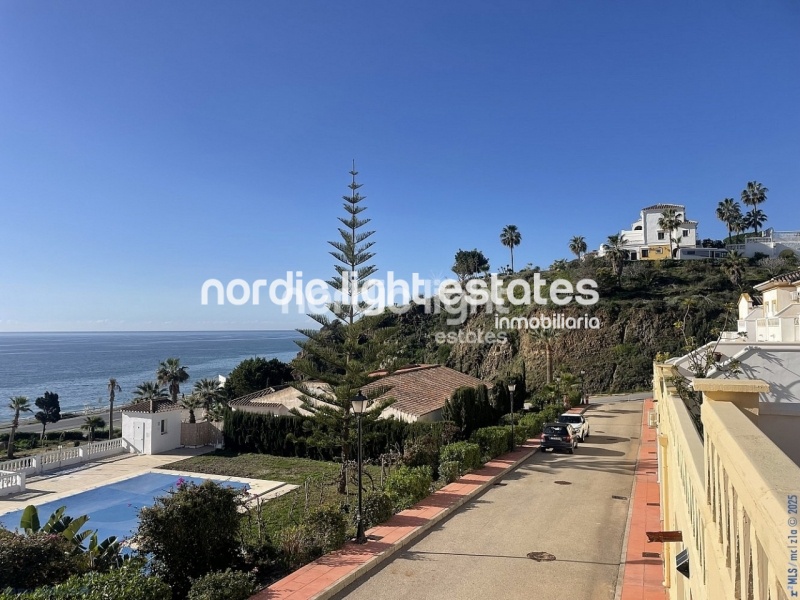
(78, 365)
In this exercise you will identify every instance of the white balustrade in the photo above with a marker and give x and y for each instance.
(63, 457)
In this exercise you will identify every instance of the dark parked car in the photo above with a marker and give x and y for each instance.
(558, 436)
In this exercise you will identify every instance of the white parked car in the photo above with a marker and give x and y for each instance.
(578, 423)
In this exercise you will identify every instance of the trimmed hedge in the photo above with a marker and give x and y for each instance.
(408, 485)
(466, 456)
(222, 585)
(493, 441)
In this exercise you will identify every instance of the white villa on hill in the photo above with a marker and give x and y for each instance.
(645, 240)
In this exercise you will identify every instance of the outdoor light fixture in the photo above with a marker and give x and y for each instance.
(359, 404)
(511, 388)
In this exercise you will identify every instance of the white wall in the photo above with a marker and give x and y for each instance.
(143, 431)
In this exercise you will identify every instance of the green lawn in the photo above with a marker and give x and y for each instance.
(316, 478)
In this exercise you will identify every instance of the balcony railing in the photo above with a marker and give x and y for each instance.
(727, 496)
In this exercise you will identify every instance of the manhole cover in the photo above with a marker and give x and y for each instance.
(619, 497)
(541, 556)
(563, 482)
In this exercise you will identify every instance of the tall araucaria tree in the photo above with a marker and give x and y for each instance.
(510, 237)
(349, 346)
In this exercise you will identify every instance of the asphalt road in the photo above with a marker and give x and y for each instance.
(63, 425)
(481, 551)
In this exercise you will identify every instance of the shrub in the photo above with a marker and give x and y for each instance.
(190, 532)
(408, 485)
(128, 582)
(323, 530)
(422, 451)
(449, 471)
(466, 455)
(493, 441)
(223, 585)
(378, 507)
(29, 561)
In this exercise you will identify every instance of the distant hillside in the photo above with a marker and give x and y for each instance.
(638, 320)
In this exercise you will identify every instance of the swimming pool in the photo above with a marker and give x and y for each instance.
(113, 509)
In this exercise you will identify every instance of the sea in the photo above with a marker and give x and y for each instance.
(77, 366)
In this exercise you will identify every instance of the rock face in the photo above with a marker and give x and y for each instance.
(617, 355)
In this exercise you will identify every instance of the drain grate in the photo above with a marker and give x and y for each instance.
(598, 431)
(541, 556)
(611, 439)
(653, 504)
(651, 555)
(499, 483)
(563, 482)
(619, 497)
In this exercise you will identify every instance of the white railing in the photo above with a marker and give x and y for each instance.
(64, 457)
(11, 482)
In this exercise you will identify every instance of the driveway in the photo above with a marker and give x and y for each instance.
(559, 504)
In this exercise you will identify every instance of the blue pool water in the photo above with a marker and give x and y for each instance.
(113, 509)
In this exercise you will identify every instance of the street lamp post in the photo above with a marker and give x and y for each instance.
(511, 388)
(359, 404)
(583, 389)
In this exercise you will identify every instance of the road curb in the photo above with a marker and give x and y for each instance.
(528, 449)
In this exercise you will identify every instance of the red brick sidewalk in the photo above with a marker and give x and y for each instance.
(643, 576)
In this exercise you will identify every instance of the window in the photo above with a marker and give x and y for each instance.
(685, 233)
(645, 252)
(661, 235)
(163, 426)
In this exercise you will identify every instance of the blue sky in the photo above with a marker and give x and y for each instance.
(148, 146)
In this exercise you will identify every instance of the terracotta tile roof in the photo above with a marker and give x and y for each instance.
(662, 206)
(158, 405)
(791, 278)
(421, 389)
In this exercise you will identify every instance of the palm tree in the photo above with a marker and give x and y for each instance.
(191, 403)
(615, 249)
(92, 423)
(544, 337)
(113, 388)
(734, 265)
(150, 390)
(577, 245)
(729, 211)
(669, 221)
(172, 374)
(510, 237)
(18, 404)
(754, 194)
(209, 391)
(755, 218)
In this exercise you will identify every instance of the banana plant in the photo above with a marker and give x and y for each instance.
(103, 552)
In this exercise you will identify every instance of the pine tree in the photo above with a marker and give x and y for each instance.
(349, 346)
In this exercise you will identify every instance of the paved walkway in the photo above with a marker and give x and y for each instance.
(333, 572)
(643, 575)
(58, 484)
